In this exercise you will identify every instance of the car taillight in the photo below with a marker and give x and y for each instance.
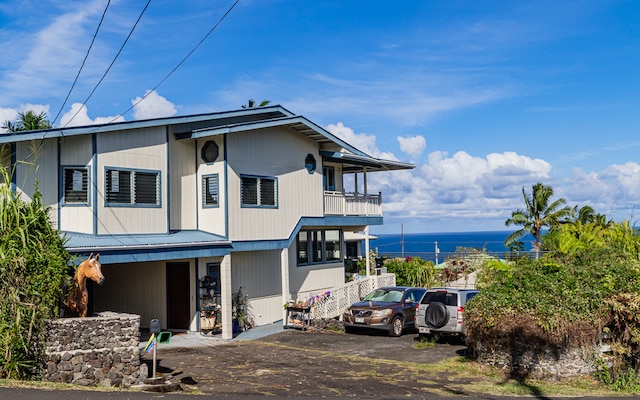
(415, 315)
(460, 311)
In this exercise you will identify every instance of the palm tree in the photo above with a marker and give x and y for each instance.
(583, 215)
(252, 103)
(28, 121)
(539, 213)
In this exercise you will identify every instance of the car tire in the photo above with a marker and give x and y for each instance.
(436, 315)
(397, 325)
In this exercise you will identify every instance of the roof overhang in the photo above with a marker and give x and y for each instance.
(356, 163)
(152, 247)
(296, 122)
(249, 113)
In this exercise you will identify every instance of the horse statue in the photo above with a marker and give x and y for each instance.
(78, 297)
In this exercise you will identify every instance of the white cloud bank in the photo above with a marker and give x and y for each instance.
(152, 105)
(413, 146)
(78, 115)
(465, 192)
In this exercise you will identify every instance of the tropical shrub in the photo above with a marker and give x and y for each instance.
(412, 271)
(566, 299)
(33, 265)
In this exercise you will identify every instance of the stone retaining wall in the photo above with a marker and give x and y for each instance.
(95, 351)
(525, 360)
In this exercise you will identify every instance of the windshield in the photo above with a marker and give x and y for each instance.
(387, 295)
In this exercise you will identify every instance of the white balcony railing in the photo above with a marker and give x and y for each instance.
(338, 203)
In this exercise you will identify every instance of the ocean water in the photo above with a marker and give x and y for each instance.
(423, 245)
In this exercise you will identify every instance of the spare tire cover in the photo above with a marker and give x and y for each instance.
(437, 315)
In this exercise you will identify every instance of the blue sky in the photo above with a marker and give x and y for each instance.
(485, 98)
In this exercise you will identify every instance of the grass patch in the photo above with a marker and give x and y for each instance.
(425, 343)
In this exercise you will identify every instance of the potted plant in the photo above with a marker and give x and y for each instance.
(239, 302)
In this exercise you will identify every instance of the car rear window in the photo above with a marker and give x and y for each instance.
(446, 298)
(471, 295)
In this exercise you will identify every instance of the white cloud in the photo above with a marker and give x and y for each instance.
(613, 191)
(7, 114)
(361, 141)
(45, 59)
(459, 187)
(79, 116)
(152, 106)
(413, 146)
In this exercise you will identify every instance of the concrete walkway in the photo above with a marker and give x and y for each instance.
(197, 339)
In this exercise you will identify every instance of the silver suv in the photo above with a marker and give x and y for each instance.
(441, 311)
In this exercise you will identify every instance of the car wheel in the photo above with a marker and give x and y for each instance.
(436, 315)
(396, 326)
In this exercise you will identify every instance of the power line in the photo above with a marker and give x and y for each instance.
(83, 62)
(112, 62)
(181, 62)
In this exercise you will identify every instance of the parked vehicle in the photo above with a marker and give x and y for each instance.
(389, 308)
(441, 311)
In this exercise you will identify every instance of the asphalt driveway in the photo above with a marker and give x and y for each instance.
(307, 363)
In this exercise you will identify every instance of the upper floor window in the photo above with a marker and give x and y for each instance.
(75, 185)
(210, 191)
(258, 191)
(132, 187)
(329, 178)
(319, 246)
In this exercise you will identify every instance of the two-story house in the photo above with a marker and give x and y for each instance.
(252, 199)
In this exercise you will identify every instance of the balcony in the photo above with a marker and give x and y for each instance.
(338, 203)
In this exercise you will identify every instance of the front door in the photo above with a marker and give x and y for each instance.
(178, 306)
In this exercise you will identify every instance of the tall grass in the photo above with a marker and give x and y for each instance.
(33, 265)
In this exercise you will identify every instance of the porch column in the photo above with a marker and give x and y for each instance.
(366, 249)
(284, 272)
(366, 201)
(355, 183)
(225, 292)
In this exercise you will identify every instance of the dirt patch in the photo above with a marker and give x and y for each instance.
(313, 363)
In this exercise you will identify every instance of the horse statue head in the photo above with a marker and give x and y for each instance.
(78, 297)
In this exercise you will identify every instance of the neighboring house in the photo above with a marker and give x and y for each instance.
(251, 199)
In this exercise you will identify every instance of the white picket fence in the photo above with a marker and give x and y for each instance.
(343, 296)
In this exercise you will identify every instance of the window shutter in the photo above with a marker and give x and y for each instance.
(146, 187)
(249, 190)
(118, 186)
(76, 185)
(210, 190)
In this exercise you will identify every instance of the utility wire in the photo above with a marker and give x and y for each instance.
(181, 62)
(111, 65)
(154, 88)
(83, 62)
